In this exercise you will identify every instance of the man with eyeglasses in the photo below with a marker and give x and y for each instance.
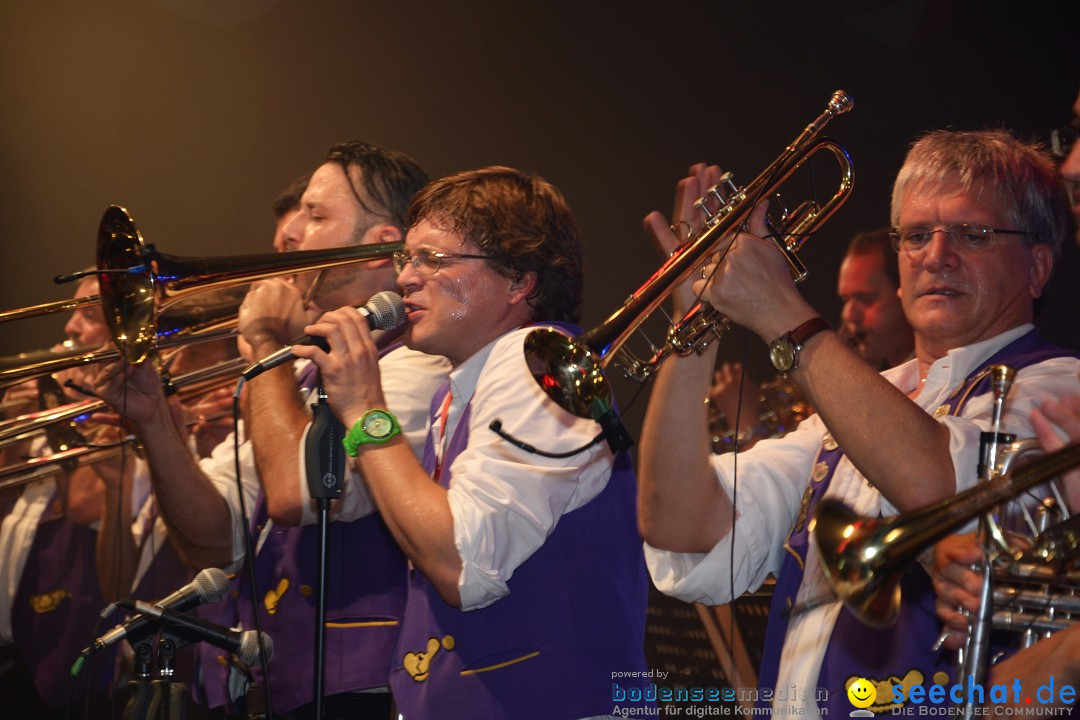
(1054, 659)
(527, 592)
(357, 196)
(979, 219)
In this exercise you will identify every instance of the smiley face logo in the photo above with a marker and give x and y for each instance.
(861, 693)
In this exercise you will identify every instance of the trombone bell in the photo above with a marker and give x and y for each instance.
(138, 281)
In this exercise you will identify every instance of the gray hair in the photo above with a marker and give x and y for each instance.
(1020, 179)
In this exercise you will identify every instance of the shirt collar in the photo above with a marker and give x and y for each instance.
(464, 377)
(948, 372)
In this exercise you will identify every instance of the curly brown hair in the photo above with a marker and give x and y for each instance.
(520, 220)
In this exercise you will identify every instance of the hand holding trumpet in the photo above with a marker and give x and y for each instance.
(686, 222)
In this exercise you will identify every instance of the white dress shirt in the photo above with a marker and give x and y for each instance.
(773, 475)
(17, 533)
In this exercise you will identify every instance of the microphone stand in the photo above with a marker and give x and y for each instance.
(138, 704)
(324, 457)
(161, 699)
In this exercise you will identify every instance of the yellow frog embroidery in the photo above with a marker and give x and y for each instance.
(418, 664)
(47, 602)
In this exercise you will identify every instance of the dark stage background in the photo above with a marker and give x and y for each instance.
(194, 113)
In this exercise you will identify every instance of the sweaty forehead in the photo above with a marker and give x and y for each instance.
(428, 235)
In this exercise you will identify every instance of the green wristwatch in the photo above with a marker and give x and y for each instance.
(374, 426)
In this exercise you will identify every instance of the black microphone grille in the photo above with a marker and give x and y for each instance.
(387, 308)
(211, 584)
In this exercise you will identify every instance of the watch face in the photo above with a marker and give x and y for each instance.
(377, 425)
(782, 354)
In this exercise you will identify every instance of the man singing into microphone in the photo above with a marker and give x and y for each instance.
(528, 591)
(357, 196)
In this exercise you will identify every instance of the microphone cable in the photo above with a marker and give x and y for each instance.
(249, 550)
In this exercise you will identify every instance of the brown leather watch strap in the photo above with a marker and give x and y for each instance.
(808, 329)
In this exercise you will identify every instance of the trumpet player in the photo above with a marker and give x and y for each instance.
(872, 318)
(872, 322)
(979, 218)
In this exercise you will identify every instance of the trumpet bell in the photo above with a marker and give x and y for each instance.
(568, 371)
(863, 558)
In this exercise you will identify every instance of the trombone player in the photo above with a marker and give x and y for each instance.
(979, 218)
(48, 581)
(357, 196)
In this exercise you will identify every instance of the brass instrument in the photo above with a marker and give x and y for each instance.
(50, 307)
(186, 385)
(48, 465)
(70, 449)
(864, 558)
(570, 370)
(781, 407)
(138, 283)
(180, 325)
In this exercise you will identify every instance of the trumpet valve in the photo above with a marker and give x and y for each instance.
(718, 199)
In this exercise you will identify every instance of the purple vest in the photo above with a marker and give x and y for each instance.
(575, 614)
(365, 600)
(855, 649)
(56, 607)
(364, 604)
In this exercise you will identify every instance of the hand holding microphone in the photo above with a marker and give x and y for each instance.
(384, 311)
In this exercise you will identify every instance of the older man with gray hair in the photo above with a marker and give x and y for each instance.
(979, 218)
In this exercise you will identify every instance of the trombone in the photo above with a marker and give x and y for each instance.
(571, 370)
(176, 327)
(193, 382)
(138, 283)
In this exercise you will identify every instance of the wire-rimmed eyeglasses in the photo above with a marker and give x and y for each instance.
(428, 262)
(966, 237)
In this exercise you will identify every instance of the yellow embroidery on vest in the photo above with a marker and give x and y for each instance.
(418, 664)
(47, 602)
(273, 596)
(529, 656)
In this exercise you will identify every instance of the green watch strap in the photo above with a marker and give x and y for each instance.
(376, 426)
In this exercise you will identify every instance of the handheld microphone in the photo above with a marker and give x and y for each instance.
(245, 644)
(209, 586)
(385, 310)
